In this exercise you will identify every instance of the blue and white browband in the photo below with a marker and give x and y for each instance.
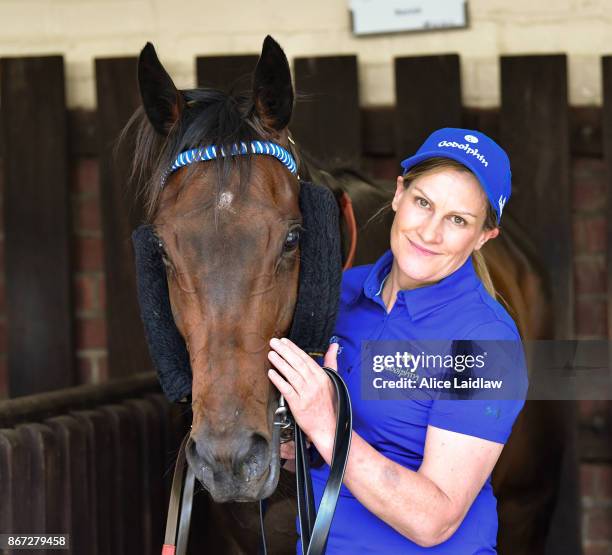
(207, 153)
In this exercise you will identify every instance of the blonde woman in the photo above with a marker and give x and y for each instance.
(418, 474)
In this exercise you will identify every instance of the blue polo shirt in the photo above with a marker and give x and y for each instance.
(457, 307)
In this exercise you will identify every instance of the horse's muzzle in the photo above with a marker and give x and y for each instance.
(240, 468)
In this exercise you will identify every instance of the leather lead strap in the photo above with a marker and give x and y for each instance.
(186, 505)
(169, 547)
(314, 526)
(305, 496)
(314, 536)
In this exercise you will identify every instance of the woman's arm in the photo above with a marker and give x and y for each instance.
(425, 506)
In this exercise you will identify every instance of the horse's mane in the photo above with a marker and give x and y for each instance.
(210, 117)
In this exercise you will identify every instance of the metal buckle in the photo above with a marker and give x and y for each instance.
(284, 420)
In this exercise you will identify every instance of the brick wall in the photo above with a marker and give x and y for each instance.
(88, 273)
(590, 243)
(87, 278)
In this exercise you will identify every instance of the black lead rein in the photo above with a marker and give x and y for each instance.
(314, 526)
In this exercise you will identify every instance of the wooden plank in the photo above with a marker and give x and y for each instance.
(45, 405)
(118, 98)
(82, 133)
(36, 224)
(427, 97)
(168, 443)
(326, 119)
(14, 485)
(43, 480)
(100, 460)
(226, 73)
(150, 472)
(378, 128)
(535, 132)
(585, 131)
(126, 490)
(88, 483)
(606, 125)
(156, 461)
(74, 503)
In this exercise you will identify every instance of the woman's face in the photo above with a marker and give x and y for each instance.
(438, 223)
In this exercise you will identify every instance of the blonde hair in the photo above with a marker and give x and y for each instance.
(435, 164)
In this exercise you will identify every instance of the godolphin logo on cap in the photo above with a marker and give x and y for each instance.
(471, 139)
(466, 148)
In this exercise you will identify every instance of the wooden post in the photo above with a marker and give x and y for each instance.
(227, 73)
(606, 125)
(36, 225)
(118, 98)
(427, 97)
(326, 119)
(535, 132)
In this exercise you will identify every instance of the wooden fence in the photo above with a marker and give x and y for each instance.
(93, 462)
(39, 138)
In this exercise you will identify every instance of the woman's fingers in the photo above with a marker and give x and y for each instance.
(285, 388)
(287, 450)
(296, 358)
(289, 372)
(331, 356)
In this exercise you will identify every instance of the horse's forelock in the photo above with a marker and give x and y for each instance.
(211, 117)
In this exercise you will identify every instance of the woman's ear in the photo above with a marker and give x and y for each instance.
(399, 190)
(486, 236)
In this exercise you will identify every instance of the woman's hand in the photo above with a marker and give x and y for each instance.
(306, 388)
(287, 452)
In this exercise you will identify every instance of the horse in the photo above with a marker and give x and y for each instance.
(226, 231)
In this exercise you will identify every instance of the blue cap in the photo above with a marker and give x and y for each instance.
(482, 155)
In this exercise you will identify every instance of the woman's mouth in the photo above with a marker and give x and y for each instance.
(421, 250)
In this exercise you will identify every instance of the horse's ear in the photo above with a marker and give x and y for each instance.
(272, 89)
(162, 101)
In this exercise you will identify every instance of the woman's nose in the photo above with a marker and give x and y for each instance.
(430, 230)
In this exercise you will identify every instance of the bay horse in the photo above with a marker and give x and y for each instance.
(226, 229)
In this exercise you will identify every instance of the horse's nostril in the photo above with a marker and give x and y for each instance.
(198, 456)
(252, 457)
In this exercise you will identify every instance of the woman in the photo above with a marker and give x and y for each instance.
(418, 474)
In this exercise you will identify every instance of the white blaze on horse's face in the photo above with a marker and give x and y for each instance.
(225, 201)
(438, 224)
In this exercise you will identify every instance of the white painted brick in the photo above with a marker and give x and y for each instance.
(584, 76)
(85, 29)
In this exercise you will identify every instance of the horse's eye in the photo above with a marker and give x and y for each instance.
(162, 251)
(292, 240)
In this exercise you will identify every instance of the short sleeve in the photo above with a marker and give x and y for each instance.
(491, 420)
(488, 413)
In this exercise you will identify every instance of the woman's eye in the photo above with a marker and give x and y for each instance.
(458, 220)
(292, 240)
(422, 202)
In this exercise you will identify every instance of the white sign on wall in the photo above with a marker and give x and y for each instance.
(393, 16)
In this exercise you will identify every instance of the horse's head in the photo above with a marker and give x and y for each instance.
(228, 229)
